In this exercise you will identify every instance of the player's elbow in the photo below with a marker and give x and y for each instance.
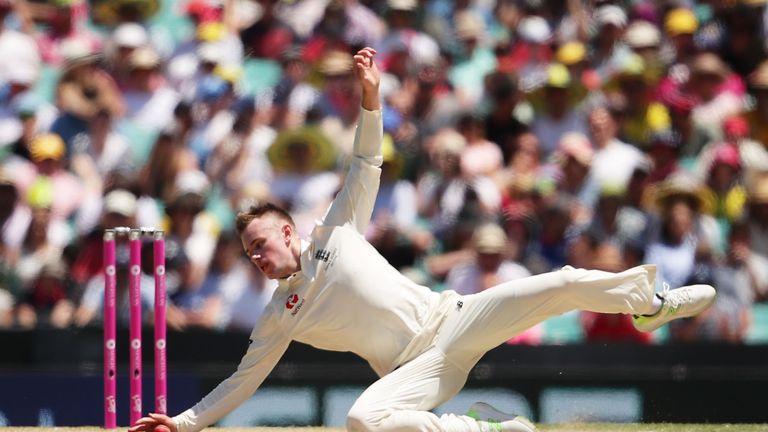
(361, 421)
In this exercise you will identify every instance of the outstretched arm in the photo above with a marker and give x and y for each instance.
(267, 345)
(354, 202)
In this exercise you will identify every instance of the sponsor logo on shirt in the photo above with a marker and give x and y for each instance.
(294, 302)
(322, 255)
(327, 256)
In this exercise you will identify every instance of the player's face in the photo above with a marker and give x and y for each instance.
(267, 243)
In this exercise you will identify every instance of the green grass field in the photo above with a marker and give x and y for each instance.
(570, 427)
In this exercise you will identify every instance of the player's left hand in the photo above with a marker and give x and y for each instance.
(366, 70)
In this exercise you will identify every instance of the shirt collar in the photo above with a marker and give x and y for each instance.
(295, 276)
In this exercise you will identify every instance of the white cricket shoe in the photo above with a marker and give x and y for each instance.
(682, 302)
(492, 420)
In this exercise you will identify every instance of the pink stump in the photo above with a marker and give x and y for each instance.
(110, 336)
(134, 295)
(161, 373)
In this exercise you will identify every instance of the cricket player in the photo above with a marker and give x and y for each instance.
(337, 293)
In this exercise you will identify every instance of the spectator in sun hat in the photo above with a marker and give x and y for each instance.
(725, 195)
(644, 38)
(573, 159)
(302, 160)
(716, 101)
(607, 43)
(118, 207)
(684, 228)
(680, 25)
(44, 237)
(475, 60)
(556, 116)
(35, 115)
(123, 41)
(188, 220)
(573, 55)
(83, 89)
(490, 264)
(49, 163)
(643, 115)
(149, 100)
(530, 54)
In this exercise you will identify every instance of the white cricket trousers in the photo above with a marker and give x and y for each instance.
(401, 400)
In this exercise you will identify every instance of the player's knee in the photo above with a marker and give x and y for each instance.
(359, 420)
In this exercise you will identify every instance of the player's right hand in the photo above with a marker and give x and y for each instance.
(149, 423)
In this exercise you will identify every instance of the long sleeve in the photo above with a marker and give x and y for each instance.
(354, 203)
(267, 346)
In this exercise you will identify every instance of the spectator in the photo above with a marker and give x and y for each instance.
(664, 153)
(758, 214)
(644, 38)
(40, 246)
(48, 165)
(614, 160)
(644, 117)
(119, 209)
(194, 228)
(490, 266)
(610, 51)
(447, 197)
(473, 62)
(741, 279)
(725, 194)
(501, 125)
(393, 229)
(231, 296)
(84, 88)
(240, 158)
(683, 229)
(480, 157)
(574, 157)
(302, 160)
(680, 25)
(89, 308)
(558, 117)
(18, 52)
(149, 101)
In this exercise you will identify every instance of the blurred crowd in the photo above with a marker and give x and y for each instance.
(520, 136)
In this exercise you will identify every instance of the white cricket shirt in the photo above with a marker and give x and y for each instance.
(346, 297)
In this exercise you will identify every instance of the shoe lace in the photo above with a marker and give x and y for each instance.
(675, 299)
